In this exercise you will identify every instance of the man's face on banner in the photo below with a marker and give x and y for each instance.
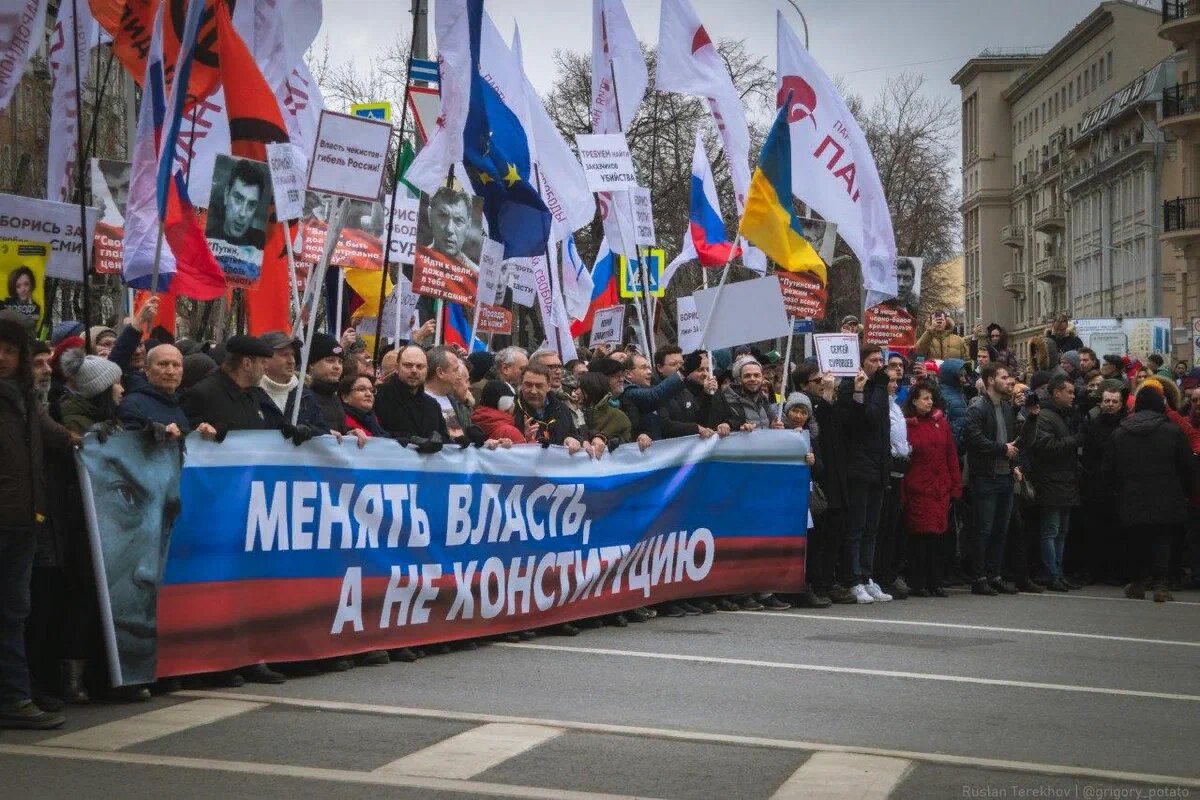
(906, 278)
(451, 221)
(137, 500)
(241, 205)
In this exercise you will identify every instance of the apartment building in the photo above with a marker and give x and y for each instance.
(1022, 115)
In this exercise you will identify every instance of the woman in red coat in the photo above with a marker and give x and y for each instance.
(933, 478)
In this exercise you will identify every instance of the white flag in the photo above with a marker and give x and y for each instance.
(833, 170)
(445, 146)
(616, 55)
(577, 281)
(688, 63)
(22, 25)
(64, 120)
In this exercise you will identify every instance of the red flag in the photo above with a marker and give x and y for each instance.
(197, 273)
(255, 121)
(165, 318)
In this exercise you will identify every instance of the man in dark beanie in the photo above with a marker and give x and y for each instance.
(1149, 464)
(24, 430)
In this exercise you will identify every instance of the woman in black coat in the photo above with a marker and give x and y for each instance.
(1149, 461)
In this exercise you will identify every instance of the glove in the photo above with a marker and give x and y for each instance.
(426, 446)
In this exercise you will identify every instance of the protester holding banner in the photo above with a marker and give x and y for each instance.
(156, 402)
(357, 394)
(405, 411)
(932, 479)
(542, 416)
(230, 399)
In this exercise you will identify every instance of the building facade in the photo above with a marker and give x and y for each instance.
(1017, 223)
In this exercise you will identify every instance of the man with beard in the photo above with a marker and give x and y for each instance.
(1102, 531)
(401, 404)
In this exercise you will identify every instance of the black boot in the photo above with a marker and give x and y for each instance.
(74, 691)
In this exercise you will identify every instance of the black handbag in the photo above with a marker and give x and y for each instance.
(817, 504)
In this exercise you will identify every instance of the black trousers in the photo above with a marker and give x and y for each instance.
(1148, 552)
(889, 542)
(926, 565)
(824, 541)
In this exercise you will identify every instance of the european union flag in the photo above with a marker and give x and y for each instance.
(496, 154)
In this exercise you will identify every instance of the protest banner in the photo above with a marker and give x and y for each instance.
(359, 244)
(449, 246)
(837, 353)
(236, 226)
(491, 316)
(804, 295)
(608, 326)
(110, 195)
(688, 326)
(522, 278)
(749, 311)
(1143, 335)
(403, 300)
(889, 326)
(311, 554)
(23, 275)
(404, 229)
(287, 179)
(349, 156)
(643, 218)
(56, 224)
(607, 162)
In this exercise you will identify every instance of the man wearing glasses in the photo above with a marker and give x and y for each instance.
(550, 360)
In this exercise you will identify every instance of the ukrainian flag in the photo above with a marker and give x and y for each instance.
(769, 221)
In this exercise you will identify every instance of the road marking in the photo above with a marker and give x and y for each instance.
(112, 736)
(472, 752)
(308, 773)
(1075, 596)
(844, 776)
(675, 734)
(882, 673)
(990, 628)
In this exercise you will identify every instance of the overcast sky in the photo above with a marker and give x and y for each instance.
(864, 41)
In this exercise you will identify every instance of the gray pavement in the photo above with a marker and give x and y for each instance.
(1087, 695)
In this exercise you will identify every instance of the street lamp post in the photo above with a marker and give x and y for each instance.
(803, 21)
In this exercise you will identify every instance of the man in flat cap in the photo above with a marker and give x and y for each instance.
(230, 399)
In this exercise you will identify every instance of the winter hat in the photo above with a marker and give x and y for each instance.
(323, 346)
(798, 399)
(187, 346)
(90, 375)
(494, 393)
(480, 363)
(196, 368)
(606, 366)
(739, 364)
(1115, 362)
(1149, 398)
(65, 329)
(96, 331)
(1152, 383)
(692, 361)
(1072, 358)
(932, 367)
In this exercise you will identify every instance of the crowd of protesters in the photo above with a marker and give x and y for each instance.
(958, 464)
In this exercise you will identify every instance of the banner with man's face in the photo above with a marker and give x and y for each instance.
(893, 324)
(237, 217)
(110, 195)
(449, 246)
(360, 243)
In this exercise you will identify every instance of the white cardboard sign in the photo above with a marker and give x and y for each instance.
(643, 218)
(749, 311)
(608, 326)
(287, 179)
(837, 353)
(349, 156)
(689, 326)
(56, 224)
(491, 257)
(522, 276)
(404, 230)
(607, 162)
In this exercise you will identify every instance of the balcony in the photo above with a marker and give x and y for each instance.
(1180, 21)
(1181, 107)
(1013, 283)
(1051, 269)
(1181, 220)
(1013, 235)
(1049, 219)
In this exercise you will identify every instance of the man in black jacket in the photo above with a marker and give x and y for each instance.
(402, 406)
(230, 399)
(541, 416)
(863, 404)
(157, 400)
(325, 370)
(989, 437)
(828, 534)
(691, 412)
(1102, 534)
(1055, 461)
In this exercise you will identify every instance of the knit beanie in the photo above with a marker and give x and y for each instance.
(493, 392)
(740, 363)
(1149, 398)
(798, 399)
(480, 363)
(89, 375)
(65, 329)
(692, 362)
(95, 332)
(1072, 358)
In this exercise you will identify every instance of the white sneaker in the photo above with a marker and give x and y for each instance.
(861, 595)
(877, 594)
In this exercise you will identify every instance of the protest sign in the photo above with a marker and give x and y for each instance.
(403, 299)
(804, 295)
(749, 311)
(630, 284)
(522, 278)
(608, 326)
(237, 217)
(837, 353)
(359, 245)
(643, 218)
(494, 319)
(404, 229)
(822, 235)
(349, 156)
(287, 179)
(110, 196)
(889, 326)
(1143, 335)
(311, 554)
(449, 246)
(688, 326)
(56, 224)
(493, 316)
(607, 162)
(23, 275)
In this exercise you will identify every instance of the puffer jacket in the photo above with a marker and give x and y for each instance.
(78, 413)
(942, 344)
(607, 419)
(1149, 462)
(736, 408)
(24, 431)
(953, 399)
(1054, 457)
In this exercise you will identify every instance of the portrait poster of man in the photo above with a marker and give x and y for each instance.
(449, 244)
(110, 194)
(130, 485)
(894, 323)
(23, 276)
(237, 217)
(359, 245)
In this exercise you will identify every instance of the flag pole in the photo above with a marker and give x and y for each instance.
(720, 289)
(336, 217)
(787, 366)
(291, 257)
(83, 244)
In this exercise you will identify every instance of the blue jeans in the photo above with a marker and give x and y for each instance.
(992, 497)
(1055, 522)
(17, 548)
(858, 561)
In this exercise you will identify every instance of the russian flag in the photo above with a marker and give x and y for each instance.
(456, 328)
(604, 288)
(705, 225)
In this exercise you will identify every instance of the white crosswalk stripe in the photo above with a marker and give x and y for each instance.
(112, 736)
(472, 752)
(844, 776)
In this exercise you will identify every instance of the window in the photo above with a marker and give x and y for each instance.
(1071, 94)
(1108, 58)
(1078, 88)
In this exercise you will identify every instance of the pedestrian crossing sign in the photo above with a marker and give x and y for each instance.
(631, 273)
(379, 111)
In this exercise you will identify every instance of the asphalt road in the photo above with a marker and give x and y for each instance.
(1087, 695)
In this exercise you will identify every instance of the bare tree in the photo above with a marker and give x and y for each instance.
(346, 83)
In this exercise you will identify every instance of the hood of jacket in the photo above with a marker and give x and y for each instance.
(1144, 423)
(949, 371)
